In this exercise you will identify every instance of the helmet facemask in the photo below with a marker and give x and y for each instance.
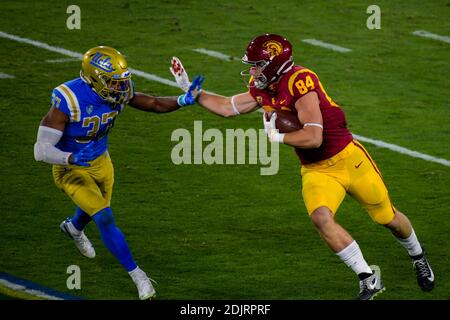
(255, 73)
(116, 90)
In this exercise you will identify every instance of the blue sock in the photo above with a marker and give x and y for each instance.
(113, 238)
(80, 219)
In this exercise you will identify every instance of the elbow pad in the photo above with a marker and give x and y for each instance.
(45, 150)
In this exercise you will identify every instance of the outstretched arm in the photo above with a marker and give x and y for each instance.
(223, 106)
(149, 103)
(228, 106)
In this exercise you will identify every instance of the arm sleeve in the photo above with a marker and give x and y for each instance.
(45, 150)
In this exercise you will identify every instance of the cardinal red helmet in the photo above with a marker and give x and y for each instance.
(270, 55)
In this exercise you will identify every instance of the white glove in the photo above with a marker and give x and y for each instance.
(270, 127)
(181, 76)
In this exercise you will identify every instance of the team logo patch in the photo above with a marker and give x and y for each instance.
(89, 109)
(102, 62)
(274, 48)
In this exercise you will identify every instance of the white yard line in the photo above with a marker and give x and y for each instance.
(402, 150)
(6, 76)
(41, 45)
(78, 55)
(62, 60)
(426, 34)
(215, 54)
(326, 45)
(153, 77)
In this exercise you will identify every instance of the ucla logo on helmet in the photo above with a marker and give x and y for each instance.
(274, 48)
(102, 63)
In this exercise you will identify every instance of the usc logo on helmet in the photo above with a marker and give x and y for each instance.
(274, 48)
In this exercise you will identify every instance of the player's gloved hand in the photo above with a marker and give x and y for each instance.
(181, 76)
(82, 157)
(270, 127)
(192, 93)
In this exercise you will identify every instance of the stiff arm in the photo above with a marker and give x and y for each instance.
(228, 106)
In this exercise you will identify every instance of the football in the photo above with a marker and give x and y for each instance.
(287, 121)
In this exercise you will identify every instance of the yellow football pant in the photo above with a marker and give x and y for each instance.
(352, 171)
(90, 188)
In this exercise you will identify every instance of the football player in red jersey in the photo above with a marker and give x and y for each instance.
(333, 162)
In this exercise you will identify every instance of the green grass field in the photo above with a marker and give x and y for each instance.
(225, 231)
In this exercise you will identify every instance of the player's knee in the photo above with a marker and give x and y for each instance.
(321, 217)
(384, 217)
(397, 222)
(104, 217)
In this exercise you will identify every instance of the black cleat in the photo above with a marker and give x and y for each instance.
(371, 286)
(424, 273)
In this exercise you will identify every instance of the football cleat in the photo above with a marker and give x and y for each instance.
(143, 284)
(424, 273)
(79, 238)
(371, 286)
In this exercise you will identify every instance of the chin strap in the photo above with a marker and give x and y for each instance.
(283, 69)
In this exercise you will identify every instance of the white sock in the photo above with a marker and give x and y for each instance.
(353, 258)
(411, 244)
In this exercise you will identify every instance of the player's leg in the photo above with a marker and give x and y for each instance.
(322, 195)
(112, 236)
(105, 178)
(369, 189)
(403, 231)
(81, 188)
(336, 237)
(115, 241)
(80, 219)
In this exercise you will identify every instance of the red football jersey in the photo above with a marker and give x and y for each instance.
(283, 95)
